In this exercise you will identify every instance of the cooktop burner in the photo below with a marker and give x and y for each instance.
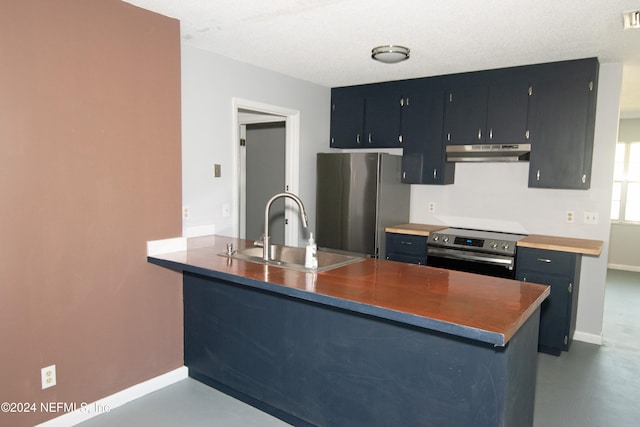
(476, 240)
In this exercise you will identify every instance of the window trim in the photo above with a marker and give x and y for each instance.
(624, 184)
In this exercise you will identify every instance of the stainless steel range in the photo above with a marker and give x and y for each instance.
(475, 251)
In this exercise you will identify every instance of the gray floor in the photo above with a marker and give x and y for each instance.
(589, 386)
(592, 385)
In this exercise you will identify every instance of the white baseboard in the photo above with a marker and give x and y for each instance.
(90, 410)
(588, 338)
(624, 267)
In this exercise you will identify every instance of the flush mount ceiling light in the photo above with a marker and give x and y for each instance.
(631, 19)
(390, 54)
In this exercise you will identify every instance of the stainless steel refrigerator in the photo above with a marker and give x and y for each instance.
(358, 195)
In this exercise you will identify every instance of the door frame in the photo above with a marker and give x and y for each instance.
(292, 161)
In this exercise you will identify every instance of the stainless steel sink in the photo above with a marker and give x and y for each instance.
(293, 257)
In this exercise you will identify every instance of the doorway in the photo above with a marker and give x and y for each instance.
(263, 154)
(248, 113)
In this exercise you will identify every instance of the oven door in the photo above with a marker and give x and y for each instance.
(471, 262)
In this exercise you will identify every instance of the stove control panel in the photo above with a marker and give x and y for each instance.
(496, 246)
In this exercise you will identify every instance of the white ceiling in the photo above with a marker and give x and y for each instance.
(329, 42)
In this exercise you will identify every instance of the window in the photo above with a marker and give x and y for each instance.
(625, 205)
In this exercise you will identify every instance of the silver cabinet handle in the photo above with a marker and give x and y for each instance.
(400, 139)
(491, 134)
(526, 135)
(358, 139)
(547, 260)
(404, 175)
(479, 133)
(369, 138)
(435, 174)
(448, 136)
(538, 175)
(584, 179)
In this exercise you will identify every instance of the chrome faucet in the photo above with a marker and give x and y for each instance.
(265, 239)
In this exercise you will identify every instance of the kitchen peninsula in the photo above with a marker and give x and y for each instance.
(371, 343)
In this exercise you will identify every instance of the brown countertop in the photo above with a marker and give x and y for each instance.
(563, 244)
(538, 241)
(415, 229)
(479, 307)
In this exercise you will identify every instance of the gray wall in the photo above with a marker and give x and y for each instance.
(209, 83)
(624, 252)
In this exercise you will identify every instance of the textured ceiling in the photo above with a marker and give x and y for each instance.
(329, 42)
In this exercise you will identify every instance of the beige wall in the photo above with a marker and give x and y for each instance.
(89, 171)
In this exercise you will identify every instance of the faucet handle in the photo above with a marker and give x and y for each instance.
(260, 242)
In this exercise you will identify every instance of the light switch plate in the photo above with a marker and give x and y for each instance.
(591, 218)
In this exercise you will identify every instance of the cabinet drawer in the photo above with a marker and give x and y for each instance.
(404, 244)
(546, 262)
(421, 260)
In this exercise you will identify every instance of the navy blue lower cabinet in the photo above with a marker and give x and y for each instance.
(406, 248)
(561, 271)
(312, 364)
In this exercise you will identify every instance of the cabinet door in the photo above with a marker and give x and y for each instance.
(561, 116)
(465, 115)
(560, 270)
(382, 117)
(347, 117)
(555, 311)
(507, 111)
(423, 155)
(406, 248)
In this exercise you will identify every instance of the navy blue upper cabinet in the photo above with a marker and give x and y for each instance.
(382, 107)
(550, 106)
(561, 122)
(488, 107)
(465, 114)
(366, 116)
(507, 109)
(347, 117)
(423, 155)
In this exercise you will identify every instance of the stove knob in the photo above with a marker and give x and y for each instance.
(505, 247)
(494, 245)
(446, 239)
(435, 237)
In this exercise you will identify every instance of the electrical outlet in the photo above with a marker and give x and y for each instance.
(48, 376)
(591, 217)
(570, 216)
(217, 170)
(226, 209)
(185, 212)
(432, 207)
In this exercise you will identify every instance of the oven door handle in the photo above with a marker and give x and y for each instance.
(469, 256)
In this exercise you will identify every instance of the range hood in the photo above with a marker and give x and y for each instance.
(488, 153)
